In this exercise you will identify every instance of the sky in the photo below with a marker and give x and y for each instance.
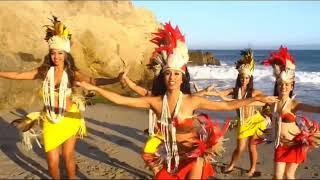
(242, 24)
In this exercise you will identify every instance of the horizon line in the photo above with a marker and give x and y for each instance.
(209, 49)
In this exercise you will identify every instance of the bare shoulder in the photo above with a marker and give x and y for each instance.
(153, 99)
(191, 97)
(82, 77)
(156, 98)
(155, 102)
(194, 100)
(78, 74)
(295, 103)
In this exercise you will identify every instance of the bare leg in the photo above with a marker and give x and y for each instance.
(291, 170)
(68, 155)
(279, 168)
(53, 163)
(253, 155)
(241, 145)
(196, 171)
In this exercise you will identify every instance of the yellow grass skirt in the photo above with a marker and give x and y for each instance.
(251, 126)
(54, 134)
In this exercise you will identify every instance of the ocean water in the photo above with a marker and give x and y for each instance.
(307, 81)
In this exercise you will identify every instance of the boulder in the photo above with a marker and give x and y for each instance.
(105, 36)
(199, 57)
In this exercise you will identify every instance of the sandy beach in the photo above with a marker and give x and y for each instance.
(112, 149)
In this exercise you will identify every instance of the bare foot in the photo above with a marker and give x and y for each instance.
(227, 170)
(253, 173)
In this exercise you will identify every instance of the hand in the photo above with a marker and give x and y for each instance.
(196, 87)
(86, 85)
(211, 91)
(123, 75)
(267, 99)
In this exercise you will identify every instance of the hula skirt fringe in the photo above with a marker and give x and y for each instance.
(253, 125)
(54, 134)
(205, 142)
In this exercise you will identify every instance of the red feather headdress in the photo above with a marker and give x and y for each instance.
(283, 64)
(171, 51)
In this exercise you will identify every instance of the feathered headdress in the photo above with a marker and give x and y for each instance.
(246, 64)
(172, 52)
(57, 35)
(283, 65)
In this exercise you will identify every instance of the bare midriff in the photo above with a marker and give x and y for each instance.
(248, 111)
(68, 104)
(187, 139)
(288, 131)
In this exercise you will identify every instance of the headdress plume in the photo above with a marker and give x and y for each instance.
(172, 52)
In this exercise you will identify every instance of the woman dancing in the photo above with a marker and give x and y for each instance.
(62, 115)
(251, 123)
(293, 137)
(187, 142)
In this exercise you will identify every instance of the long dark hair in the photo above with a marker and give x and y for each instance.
(238, 86)
(69, 66)
(275, 90)
(159, 88)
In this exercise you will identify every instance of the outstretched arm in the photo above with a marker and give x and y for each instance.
(299, 106)
(133, 86)
(211, 91)
(205, 91)
(29, 75)
(143, 102)
(230, 92)
(257, 103)
(105, 81)
(202, 103)
(136, 88)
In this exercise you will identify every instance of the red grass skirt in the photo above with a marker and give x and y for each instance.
(183, 171)
(292, 154)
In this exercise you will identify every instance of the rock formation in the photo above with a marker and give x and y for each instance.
(199, 57)
(105, 36)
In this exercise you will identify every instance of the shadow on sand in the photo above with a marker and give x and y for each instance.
(19, 157)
